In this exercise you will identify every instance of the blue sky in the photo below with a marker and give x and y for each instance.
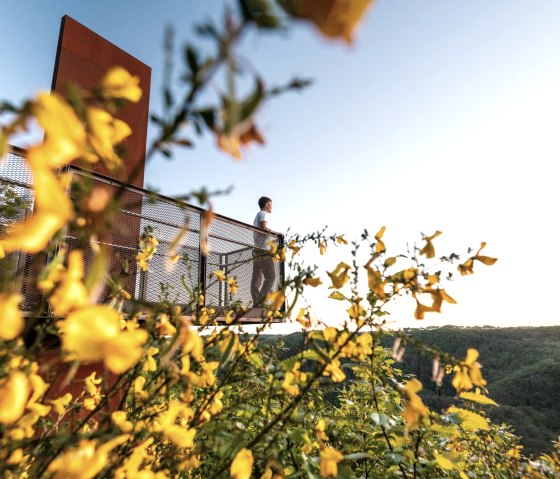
(442, 115)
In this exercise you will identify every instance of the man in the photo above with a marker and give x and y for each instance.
(264, 273)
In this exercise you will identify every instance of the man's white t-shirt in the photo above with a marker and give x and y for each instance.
(260, 238)
(261, 216)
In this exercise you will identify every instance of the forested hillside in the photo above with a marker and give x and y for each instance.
(521, 365)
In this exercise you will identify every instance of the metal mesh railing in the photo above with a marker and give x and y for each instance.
(16, 203)
(237, 249)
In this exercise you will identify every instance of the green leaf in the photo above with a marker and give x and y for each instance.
(249, 106)
(323, 355)
(192, 59)
(394, 458)
(96, 274)
(183, 142)
(337, 295)
(168, 97)
(209, 117)
(356, 456)
(226, 356)
(259, 12)
(381, 419)
(256, 360)
(390, 261)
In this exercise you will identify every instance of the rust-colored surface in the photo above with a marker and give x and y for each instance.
(63, 380)
(83, 57)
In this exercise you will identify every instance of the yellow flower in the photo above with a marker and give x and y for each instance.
(220, 275)
(39, 388)
(132, 464)
(415, 409)
(380, 246)
(329, 461)
(320, 430)
(294, 375)
(206, 376)
(242, 465)
(138, 388)
(276, 299)
(335, 18)
(150, 363)
(364, 344)
(303, 318)
(330, 333)
(33, 234)
(333, 370)
(94, 333)
(190, 463)
(52, 210)
(375, 279)
(428, 249)
(71, 292)
(12, 322)
(148, 247)
(339, 276)
(467, 266)
(314, 282)
(242, 135)
(14, 391)
(64, 134)
(341, 240)
(106, 131)
(84, 462)
(295, 249)
(119, 83)
(93, 391)
(233, 287)
(60, 404)
(217, 404)
(438, 296)
(192, 343)
(229, 317)
(16, 457)
(180, 435)
(322, 247)
(355, 310)
(164, 326)
(120, 420)
(91, 382)
(467, 372)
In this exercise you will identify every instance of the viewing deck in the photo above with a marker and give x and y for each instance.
(232, 248)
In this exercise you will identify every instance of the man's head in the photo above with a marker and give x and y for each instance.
(265, 204)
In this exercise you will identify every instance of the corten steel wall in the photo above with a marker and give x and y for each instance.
(83, 57)
(233, 247)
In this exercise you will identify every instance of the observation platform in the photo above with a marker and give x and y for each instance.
(232, 249)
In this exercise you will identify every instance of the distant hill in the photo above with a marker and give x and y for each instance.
(521, 365)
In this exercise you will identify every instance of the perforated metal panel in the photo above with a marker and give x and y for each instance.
(240, 251)
(17, 269)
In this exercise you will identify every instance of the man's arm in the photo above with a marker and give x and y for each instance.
(264, 225)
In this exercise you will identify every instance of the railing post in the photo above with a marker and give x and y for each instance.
(282, 269)
(202, 261)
